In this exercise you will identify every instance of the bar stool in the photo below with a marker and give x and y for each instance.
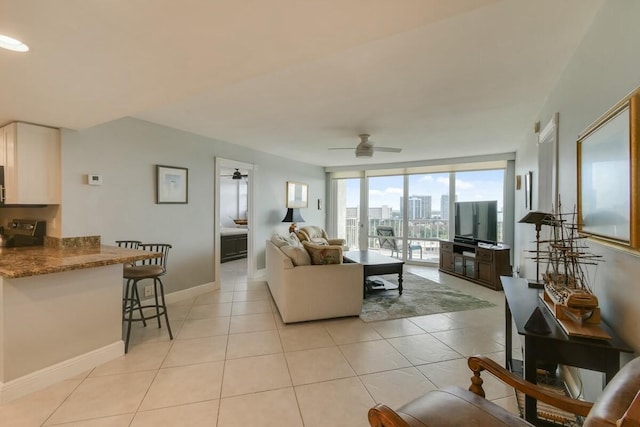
(131, 304)
(146, 269)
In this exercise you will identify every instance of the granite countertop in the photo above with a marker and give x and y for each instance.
(34, 261)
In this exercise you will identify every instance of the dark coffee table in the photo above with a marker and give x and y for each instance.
(375, 264)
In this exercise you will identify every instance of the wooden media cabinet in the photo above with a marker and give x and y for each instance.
(483, 263)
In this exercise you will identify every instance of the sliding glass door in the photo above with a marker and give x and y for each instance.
(486, 185)
(346, 194)
(407, 215)
(427, 215)
(384, 215)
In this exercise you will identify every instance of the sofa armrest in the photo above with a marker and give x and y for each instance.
(337, 242)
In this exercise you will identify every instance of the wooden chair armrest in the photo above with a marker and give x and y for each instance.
(480, 363)
(383, 416)
(631, 417)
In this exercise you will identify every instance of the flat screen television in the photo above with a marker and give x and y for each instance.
(476, 221)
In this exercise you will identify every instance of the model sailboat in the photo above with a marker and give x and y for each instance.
(567, 291)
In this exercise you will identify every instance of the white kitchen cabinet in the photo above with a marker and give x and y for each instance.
(31, 157)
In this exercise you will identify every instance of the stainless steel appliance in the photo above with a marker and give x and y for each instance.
(24, 232)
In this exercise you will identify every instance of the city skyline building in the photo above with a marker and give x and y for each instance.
(419, 207)
(444, 206)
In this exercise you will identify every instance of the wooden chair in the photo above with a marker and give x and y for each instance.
(386, 239)
(618, 405)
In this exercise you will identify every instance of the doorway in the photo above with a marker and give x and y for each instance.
(233, 215)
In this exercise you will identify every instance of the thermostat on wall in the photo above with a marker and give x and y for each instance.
(94, 179)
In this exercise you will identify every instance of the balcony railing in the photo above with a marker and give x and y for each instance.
(425, 233)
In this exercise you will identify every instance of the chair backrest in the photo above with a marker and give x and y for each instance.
(130, 244)
(619, 401)
(162, 248)
(386, 237)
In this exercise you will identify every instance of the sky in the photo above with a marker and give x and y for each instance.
(470, 186)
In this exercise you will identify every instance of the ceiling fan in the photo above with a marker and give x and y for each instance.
(237, 175)
(366, 148)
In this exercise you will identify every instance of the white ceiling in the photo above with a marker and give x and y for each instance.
(436, 78)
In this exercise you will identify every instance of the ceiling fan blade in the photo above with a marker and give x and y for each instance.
(340, 148)
(387, 149)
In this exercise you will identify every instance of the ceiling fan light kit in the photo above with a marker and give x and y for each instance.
(364, 151)
(366, 148)
(237, 174)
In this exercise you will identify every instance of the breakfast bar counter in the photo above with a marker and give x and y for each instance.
(60, 313)
(37, 260)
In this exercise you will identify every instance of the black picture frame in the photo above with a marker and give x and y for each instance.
(172, 185)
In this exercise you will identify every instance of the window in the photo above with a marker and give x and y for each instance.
(482, 185)
(428, 213)
(415, 202)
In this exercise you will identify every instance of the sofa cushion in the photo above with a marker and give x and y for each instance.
(298, 254)
(279, 240)
(294, 240)
(319, 241)
(323, 254)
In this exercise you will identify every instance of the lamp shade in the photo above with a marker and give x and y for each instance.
(537, 218)
(293, 215)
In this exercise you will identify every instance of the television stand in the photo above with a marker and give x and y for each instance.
(481, 263)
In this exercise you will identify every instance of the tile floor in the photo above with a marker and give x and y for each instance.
(234, 363)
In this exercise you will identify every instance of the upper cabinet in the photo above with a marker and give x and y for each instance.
(31, 157)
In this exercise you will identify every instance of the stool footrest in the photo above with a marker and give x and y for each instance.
(161, 311)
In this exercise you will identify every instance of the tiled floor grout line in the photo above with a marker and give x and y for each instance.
(66, 398)
(243, 294)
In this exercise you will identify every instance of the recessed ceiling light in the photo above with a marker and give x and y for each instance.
(7, 42)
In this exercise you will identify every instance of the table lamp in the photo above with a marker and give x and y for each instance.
(293, 216)
(537, 218)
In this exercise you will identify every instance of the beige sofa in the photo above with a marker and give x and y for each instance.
(311, 292)
(315, 234)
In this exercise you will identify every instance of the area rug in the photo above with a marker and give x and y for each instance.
(419, 297)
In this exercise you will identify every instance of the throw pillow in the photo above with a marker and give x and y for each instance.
(293, 240)
(279, 240)
(298, 255)
(319, 241)
(323, 254)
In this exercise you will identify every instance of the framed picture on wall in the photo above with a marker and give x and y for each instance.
(172, 184)
(297, 195)
(608, 170)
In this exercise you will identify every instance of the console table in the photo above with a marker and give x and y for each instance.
(556, 346)
(482, 264)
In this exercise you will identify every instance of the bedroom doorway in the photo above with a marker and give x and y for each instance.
(233, 213)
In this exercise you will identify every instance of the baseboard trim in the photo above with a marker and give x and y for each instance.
(61, 371)
(77, 365)
(260, 274)
(191, 292)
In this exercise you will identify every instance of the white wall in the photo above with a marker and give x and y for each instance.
(602, 71)
(125, 153)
